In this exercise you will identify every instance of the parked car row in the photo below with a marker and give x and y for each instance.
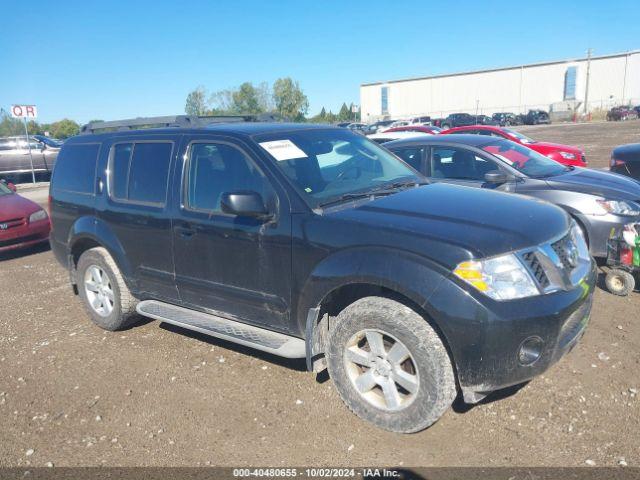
(564, 154)
(625, 112)
(503, 119)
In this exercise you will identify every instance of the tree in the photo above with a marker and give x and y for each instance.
(345, 114)
(196, 103)
(10, 126)
(247, 100)
(319, 118)
(290, 101)
(64, 128)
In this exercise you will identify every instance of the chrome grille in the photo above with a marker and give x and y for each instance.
(560, 264)
(536, 269)
(567, 252)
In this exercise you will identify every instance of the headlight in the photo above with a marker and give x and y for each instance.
(39, 215)
(617, 207)
(501, 278)
(567, 155)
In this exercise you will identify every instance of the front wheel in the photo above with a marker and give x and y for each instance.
(389, 366)
(620, 282)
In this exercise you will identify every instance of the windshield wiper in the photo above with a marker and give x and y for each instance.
(356, 195)
(405, 183)
(382, 190)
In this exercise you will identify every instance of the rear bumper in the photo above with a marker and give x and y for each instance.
(25, 236)
(485, 337)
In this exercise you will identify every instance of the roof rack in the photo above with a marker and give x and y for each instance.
(177, 121)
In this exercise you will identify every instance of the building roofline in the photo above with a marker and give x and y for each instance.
(529, 65)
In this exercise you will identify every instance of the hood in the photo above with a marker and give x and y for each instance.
(14, 206)
(483, 222)
(597, 182)
(556, 146)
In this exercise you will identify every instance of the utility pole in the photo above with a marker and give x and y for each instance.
(586, 88)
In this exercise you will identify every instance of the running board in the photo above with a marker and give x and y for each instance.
(236, 332)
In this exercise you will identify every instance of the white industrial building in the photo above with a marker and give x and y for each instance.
(559, 86)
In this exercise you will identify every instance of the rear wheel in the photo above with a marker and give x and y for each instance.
(389, 366)
(103, 290)
(620, 282)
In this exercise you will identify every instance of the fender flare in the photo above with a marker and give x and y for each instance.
(91, 228)
(408, 274)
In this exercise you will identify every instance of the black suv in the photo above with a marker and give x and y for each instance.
(535, 117)
(506, 119)
(314, 242)
(458, 120)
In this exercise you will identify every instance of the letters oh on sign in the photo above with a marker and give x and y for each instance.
(24, 111)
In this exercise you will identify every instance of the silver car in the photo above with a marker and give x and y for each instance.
(15, 160)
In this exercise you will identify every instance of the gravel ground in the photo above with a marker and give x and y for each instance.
(74, 395)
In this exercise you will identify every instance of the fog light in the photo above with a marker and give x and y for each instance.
(530, 351)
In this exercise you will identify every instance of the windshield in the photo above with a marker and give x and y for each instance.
(524, 159)
(325, 165)
(4, 190)
(519, 136)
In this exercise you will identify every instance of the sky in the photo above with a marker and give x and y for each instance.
(122, 59)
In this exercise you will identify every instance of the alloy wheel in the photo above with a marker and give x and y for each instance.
(99, 291)
(381, 369)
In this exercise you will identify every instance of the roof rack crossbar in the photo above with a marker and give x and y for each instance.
(178, 121)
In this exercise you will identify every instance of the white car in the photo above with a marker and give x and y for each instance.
(385, 137)
(400, 123)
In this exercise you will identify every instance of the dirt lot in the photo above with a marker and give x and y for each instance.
(72, 394)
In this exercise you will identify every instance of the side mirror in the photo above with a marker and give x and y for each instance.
(244, 204)
(495, 177)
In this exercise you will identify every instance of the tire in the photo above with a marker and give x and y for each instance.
(620, 282)
(446, 127)
(105, 296)
(426, 368)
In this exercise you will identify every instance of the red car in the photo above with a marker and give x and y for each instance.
(22, 222)
(415, 128)
(564, 154)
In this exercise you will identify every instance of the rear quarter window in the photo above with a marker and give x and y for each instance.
(75, 169)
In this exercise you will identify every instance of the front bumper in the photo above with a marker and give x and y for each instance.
(600, 228)
(485, 336)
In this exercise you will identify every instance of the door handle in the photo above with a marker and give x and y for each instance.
(185, 232)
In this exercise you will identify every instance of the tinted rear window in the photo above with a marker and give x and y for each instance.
(75, 169)
(149, 171)
(139, 171)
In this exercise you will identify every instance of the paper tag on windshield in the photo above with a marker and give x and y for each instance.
(283, 150)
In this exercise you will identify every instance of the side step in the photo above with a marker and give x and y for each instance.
(236, 332)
